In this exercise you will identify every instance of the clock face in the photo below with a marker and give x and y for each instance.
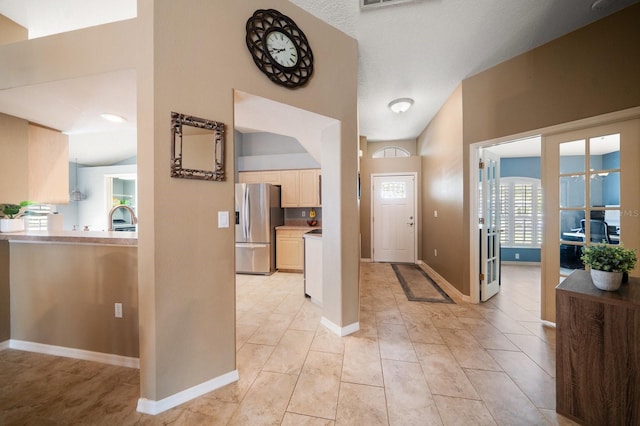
(279, 48)
(282, 49)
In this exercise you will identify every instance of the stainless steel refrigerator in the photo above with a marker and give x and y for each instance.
(258, 212)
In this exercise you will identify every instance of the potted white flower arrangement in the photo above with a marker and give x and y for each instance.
(608, 264)
(11, 216)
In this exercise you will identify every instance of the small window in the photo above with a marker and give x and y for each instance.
(393, 190)
(391, 152)
(36, 217)
(521, 212)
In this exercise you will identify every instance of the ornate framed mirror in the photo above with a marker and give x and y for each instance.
(197, 148)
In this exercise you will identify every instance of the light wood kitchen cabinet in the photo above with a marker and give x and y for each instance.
(270, 176)
(310, 188)
(290, 188)
(48, 166)
(301, 188)
(250, 177)
(290, 249)
(34, 163)
(274, 177)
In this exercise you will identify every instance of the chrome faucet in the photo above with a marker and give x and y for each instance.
(134, 219)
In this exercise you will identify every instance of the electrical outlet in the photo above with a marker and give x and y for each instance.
(118, 310)
(435, 213)
(304, 213)
(435, 252)
(517, 256)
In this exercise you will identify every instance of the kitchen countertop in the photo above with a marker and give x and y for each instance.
(120, 238)
(314, 233)
(297, 228)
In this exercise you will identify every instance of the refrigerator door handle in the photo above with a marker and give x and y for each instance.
(246, 213)
(251, 245)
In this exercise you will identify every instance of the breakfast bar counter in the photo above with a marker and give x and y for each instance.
(119, 238)
(297, 227)
(70, 293)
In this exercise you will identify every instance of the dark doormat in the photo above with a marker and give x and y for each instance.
(417, 285)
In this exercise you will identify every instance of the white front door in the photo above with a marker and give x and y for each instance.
(489, 226)
(394, 218)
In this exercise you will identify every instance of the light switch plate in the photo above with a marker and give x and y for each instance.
(223, 219)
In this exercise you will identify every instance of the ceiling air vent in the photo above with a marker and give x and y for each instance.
(370, 4)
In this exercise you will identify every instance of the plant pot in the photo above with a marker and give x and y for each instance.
(11, 225)
(604, 280)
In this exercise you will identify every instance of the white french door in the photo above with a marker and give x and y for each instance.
(489, 226)
(591, 196)
(394, 218)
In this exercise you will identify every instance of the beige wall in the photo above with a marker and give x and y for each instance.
(64, 295)
(371, 166)
(11, 31)
(440, 146)
(187, 291)
(5, 313)
(72, 54)
(589, 72)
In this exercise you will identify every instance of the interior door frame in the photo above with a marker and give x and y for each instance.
(546, 289)
(416, 221)
(108, 189)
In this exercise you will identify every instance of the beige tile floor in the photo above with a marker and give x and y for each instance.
(411, 363)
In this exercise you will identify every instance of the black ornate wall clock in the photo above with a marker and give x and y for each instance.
(279, 48)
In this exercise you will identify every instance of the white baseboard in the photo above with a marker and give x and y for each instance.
(444, 284)
(4, 345)
(119, 360)
(340, 331)
(365, 260)
(148, 406)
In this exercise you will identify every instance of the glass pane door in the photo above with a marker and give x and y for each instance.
(585, 189)
(489, 196)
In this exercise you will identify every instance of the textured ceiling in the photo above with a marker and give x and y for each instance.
(425, 48)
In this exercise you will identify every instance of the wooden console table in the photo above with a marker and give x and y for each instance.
(598, 352)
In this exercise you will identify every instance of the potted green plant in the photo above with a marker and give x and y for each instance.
(11, 216)
(608, 263)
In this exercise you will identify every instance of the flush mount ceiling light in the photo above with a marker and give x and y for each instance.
(370, 4)
(115, 118)
(400, 105)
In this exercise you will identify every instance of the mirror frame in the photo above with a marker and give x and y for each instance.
(177, 121)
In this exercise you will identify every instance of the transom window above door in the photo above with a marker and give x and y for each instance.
(391, 152)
